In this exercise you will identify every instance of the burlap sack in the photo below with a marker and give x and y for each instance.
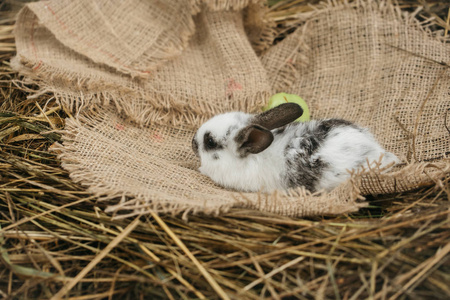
(218, 72)
(101, 31)
(130, 141)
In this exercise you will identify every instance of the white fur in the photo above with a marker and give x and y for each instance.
(348, 149)
(345, 148)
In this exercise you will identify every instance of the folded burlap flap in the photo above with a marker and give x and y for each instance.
(218, 71)
(138, 109)
(131, 36)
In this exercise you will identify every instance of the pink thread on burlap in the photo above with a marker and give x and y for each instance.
(120, 127)
(89, 44)
(157, 137)
(232, 86)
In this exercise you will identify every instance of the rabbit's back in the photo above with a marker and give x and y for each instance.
(320, 153)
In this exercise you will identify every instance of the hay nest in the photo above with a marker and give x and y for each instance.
(56, 241)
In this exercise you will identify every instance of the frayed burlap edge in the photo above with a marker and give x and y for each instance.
(160, 108)
(404, 178)
(349, 196)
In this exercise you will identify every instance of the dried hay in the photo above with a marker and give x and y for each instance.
(56, 241)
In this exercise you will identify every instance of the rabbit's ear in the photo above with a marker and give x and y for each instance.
(278, 116)
(253, 139)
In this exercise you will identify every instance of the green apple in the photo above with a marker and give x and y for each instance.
(280, 98)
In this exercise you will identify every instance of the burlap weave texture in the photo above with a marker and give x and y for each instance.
(371, 64)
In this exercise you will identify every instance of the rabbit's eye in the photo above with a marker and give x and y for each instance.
(209, 142)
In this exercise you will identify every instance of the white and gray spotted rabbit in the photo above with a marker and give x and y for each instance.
(267, 152)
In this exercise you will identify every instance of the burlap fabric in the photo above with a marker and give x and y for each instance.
(142, 75)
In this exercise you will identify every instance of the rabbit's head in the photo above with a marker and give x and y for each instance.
(224, 142)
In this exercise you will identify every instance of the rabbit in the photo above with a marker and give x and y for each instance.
(268, 151)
